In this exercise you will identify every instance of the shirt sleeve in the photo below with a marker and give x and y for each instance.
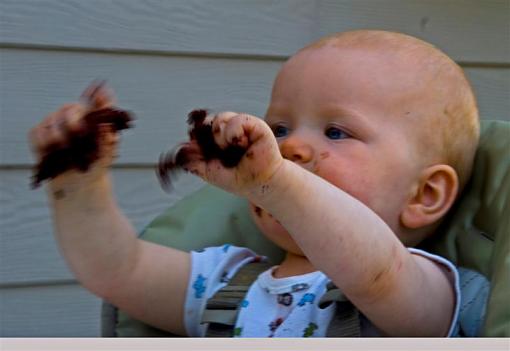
(211, 269)
(454, 324)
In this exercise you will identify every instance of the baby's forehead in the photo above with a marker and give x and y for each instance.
(393, 49)
(355, 72)
(390, 67)
(373, 57)
(403, 61)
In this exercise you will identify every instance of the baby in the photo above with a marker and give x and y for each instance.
(368, 139)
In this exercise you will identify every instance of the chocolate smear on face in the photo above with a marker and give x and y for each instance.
(82, 148)
(201, 132)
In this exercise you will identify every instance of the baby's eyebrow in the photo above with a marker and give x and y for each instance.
(334, 111)
(347, 114)
(277, 111)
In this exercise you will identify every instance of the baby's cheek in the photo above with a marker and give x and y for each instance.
(347, 178)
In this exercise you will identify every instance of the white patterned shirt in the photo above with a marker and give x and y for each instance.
(288, 307)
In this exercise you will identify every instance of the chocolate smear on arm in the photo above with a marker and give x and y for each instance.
(82, 149)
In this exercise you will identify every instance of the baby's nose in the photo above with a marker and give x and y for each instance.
(296, 150)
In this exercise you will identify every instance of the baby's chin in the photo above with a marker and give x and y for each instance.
(273, 230)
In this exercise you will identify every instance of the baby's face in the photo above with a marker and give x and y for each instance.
(346, 115)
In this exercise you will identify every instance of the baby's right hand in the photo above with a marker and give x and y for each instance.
(259, 161)
(57, 130)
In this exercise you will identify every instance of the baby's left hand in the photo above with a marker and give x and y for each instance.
(258, 164)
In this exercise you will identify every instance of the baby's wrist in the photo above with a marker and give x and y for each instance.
(271, 190)
(78, 186)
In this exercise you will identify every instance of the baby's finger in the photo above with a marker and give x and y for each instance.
(104, 98)
(86, 95)
(98, 95)
(56, 129)
(38, 136)
(71, 117)
(234, 132)
(108, 141)
(244, 130)
(108, 134)
(218, 128)
(56, 134)
(47, 135)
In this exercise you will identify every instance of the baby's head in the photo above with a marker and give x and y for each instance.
(386, 117)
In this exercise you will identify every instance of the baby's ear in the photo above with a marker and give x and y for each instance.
(432, 197)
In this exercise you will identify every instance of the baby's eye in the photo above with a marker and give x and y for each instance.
(335, 133)
(280, 130)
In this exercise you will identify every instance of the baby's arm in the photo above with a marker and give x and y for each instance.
(401, 293)
(147, 281)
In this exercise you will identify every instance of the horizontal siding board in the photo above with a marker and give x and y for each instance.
(28, 252)
(49, 311)
(492, 88)
(219, 26)
(161, 90)
(266, 28)
(468, 31)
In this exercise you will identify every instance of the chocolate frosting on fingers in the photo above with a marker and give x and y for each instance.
(82, 147)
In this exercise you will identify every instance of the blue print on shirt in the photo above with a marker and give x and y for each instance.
(307, 298)
(226, 247)
(199, 286)
(245, 303)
